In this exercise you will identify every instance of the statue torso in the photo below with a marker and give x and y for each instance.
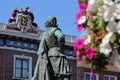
(50, 38)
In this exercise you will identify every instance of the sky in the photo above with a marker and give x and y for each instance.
(63, 10)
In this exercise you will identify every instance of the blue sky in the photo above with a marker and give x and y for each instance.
(64, 10)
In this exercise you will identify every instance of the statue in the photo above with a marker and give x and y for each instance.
(52, 63)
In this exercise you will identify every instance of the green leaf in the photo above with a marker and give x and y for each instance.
(90, 24)
(101, 22)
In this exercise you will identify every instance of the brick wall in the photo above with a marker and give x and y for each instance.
(7, 62)
(72, 62)
(1, 64)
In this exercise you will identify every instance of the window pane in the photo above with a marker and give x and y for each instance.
(18, 73)
(18, 63)
(74, 54)
(94, 77)
(28, 45)
(87, 76)
(106, 78)
(22, 68)
(1, 42)
(67, 52)
(22, 45)
(15, 43)
(70, 53)
(8, 42)
(25, 64)
(25, 73)
(36, 47)
(112, 78)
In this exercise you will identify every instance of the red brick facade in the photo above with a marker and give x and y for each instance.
(83, 68)
(7, 62)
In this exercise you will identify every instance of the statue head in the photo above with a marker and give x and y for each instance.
(51, 22)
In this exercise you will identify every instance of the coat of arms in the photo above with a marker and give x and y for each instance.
(23, 20)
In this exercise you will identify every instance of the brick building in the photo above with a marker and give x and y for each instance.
(18, 53)
(111, 73)
(18, 56)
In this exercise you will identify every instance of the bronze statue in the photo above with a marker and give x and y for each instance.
(52, 63)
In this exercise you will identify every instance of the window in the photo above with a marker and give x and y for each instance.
(15, 44)
(1, 42)
(22, 45)
(8, 42)
(87, 76)
(70, 53)
(35, 47)
(109, 77)
(67, 52)
(28, 45)
(74, 54)
(22, 67)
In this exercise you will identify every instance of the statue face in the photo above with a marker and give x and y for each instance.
(24, 21)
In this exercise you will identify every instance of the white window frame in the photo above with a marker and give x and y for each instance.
(110, 76)
(30, 64)
(97, 75)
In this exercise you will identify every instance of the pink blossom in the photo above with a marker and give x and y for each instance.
(82, 6)
(78, 15)
(79, 27)
(90, 52)
(79, 43)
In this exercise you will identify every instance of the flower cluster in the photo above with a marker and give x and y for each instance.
(99, 21)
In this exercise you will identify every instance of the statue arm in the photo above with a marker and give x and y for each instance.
(60, 39)
(41, 38)
(41, 43)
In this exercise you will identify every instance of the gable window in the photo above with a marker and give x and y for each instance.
(87, 76)
(22, 67)
(109, 77)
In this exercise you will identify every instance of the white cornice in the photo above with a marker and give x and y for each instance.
(19, 34)
(18, 49)
(69, 39)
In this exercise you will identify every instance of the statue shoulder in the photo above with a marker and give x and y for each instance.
(55, 29)
(42, 35)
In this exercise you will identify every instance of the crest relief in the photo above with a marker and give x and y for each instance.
(22, 20)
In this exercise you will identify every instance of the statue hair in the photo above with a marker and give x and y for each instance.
(51, 22)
